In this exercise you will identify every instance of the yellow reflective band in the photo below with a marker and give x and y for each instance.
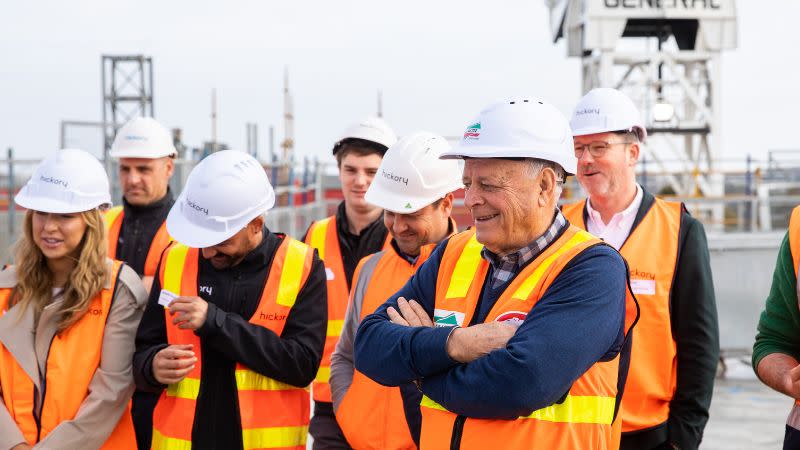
(188, 388)
(292, 273)
(323, 375)
(277, 437)
(161, 442)
(574, 409)
(530, 283)
(465, 269)
(247, 380)
(335, 327)
(318, 237)
(111, 215)
(578, 409)
(427, 402)
(173, 272)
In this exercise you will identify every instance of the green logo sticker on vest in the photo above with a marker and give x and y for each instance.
(445, 318)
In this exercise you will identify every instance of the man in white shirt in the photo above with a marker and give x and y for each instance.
(676, 341)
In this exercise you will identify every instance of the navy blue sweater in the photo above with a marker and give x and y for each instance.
(577, 322)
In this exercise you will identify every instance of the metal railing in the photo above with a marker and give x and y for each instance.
(300, 198)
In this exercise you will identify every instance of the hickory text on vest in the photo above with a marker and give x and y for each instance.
(271, 316)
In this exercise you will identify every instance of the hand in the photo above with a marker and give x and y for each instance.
(411, 314)
(792, 382)
(22, 447)
(190, 312)
(172, 364)
(468, 344)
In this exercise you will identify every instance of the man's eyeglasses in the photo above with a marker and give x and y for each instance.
(596, 149)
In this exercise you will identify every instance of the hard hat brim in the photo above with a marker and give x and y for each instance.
(400, 204)
(196, 236)
(53, 206)
(569, 165)
(126, 154)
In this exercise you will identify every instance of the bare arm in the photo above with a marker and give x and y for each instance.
(780, 372)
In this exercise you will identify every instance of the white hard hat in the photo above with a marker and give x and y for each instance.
(68, 181)
(372, 129)
(411, 175)
(522, 127)
(223, 193)
(142, 137)
(603, 110)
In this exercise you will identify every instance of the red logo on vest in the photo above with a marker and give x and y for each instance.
(514, 318)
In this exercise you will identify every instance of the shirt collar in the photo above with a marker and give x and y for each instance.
(632, 209)
(522, 256)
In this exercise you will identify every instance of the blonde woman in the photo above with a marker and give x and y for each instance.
(68, 317)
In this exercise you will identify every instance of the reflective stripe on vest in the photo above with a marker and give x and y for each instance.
(72, 361)
(273, 414)
(323, 236)
(583, 420)
(651, 251)
(113, 222)
(371, 416)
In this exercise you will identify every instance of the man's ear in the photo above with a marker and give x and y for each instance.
(547, 184)
(256, 224)
(633, 153)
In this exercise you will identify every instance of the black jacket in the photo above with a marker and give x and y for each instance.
(695, 328)
(227, 338)
(139, 227)
(355, 247)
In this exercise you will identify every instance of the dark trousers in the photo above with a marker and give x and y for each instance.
(325, 430)
(142, 414)
(791, 440)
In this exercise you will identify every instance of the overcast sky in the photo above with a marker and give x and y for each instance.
(437, 63)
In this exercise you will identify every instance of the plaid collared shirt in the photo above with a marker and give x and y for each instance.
(507, 267)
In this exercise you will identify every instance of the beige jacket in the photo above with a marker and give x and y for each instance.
(112, 385)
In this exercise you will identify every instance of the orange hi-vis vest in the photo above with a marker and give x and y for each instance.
(72, 361)
(372, 416)
(583, 420)
(113, 222)
(273, 414)
(794, 246)
(651, 252)
(323, 236)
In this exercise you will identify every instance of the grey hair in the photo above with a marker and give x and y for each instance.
(536, 166)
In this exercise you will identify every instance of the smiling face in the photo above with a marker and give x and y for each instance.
(426, 226)
(144, 180)
(356, 173)
(58, 236)
(608, 175)
(510, 205)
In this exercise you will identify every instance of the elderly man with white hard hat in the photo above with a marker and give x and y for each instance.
(235, 325)
(676, 342)
(415, 189)
(515, 331)
(137, 231)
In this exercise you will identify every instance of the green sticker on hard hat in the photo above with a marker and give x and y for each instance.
(473, 131)
(408, 206)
